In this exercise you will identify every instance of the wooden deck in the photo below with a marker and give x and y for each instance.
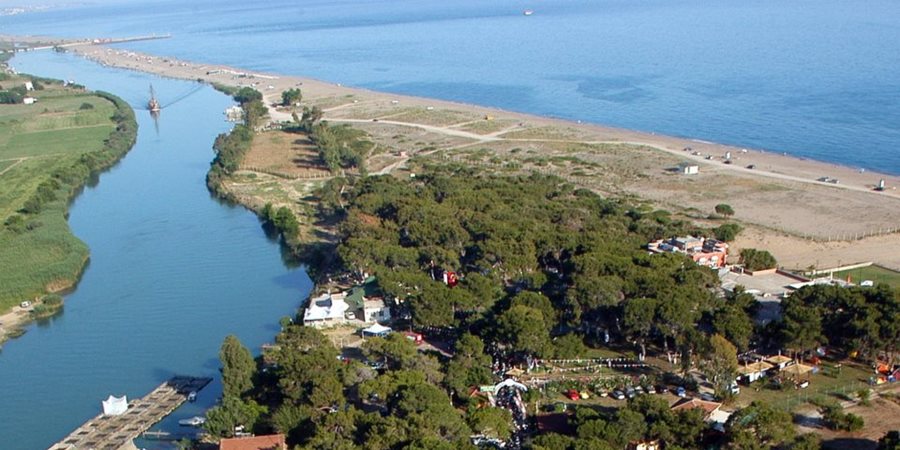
(114, 432)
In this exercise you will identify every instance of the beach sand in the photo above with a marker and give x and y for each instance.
(801, 220)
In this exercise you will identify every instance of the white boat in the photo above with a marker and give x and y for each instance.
(528, 12)
(195, 421)
(192, 396)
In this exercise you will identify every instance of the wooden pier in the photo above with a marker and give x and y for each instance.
(116, 432)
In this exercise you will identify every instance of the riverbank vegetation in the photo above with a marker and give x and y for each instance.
(50, 150)
(231, 147)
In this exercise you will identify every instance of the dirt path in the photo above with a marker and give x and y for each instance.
(18, 161)
(495, 137)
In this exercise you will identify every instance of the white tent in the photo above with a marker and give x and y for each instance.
(114, 406)
(376, 330)
(509, 382)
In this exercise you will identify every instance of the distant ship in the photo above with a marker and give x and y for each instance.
(528, 12)
(153, 104)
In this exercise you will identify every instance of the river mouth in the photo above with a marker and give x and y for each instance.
(172, 271)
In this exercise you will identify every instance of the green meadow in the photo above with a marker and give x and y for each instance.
(874, 273)
(48, 150)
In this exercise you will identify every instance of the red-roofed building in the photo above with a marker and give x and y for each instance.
(269, 442)
(707, 407)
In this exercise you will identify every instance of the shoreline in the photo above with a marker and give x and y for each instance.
(780, 200)
(14, 321)
(767, 162)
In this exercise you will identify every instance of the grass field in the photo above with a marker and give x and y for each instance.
(875, 273)
(47, 151)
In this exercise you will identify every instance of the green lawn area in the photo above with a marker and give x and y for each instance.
(6, 164)
(49, 137)
(20, 182)
(875, 273)
(828, 382)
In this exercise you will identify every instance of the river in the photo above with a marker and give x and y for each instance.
(813, 78)
(172, 271)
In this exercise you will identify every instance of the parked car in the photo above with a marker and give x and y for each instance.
(618, 395)
(650, 390)
(572, 394)
(639, 390)
(681, 392)
(662, 389)
(707, 397)
(630, 393)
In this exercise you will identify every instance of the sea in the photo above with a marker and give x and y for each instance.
(173, 270)
(816, 79)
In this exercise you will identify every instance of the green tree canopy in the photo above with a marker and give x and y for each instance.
(724, 209)
(237, 367)
(291, 97)
(754, 259)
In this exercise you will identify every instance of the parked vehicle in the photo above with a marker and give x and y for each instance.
(681, 392)
(618, 395)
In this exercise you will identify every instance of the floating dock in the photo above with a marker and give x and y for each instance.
(115, 432)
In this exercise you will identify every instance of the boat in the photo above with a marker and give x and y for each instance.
(528, 12)
(153, 104)
(192, 396)
(195, 421)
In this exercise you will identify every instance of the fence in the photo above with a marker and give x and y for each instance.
(801, 396)
(841, 269)
(305, 175)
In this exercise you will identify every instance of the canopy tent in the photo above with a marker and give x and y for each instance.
(115, 406)
(515, 372)
(797, 369)
(376, 330)
(509, 382)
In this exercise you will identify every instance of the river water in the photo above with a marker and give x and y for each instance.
(813, 78)
(172, 271)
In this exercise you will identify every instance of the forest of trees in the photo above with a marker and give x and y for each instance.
(545, 270)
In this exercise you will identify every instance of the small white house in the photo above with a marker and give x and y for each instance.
(689, 169)
(29, 100)
(374, 310)
(325, 310)
(29, 86)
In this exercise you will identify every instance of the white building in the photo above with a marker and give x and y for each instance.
(29, 100)
(29, 86)
(374, 310)
(325, 310)
(689, 169)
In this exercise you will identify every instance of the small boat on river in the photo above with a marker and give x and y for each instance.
(195, 421)
(528, 12)
(153, 104)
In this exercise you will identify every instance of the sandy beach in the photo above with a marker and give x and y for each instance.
(785, 202)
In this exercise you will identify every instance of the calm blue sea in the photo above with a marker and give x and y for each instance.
(813, 78)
